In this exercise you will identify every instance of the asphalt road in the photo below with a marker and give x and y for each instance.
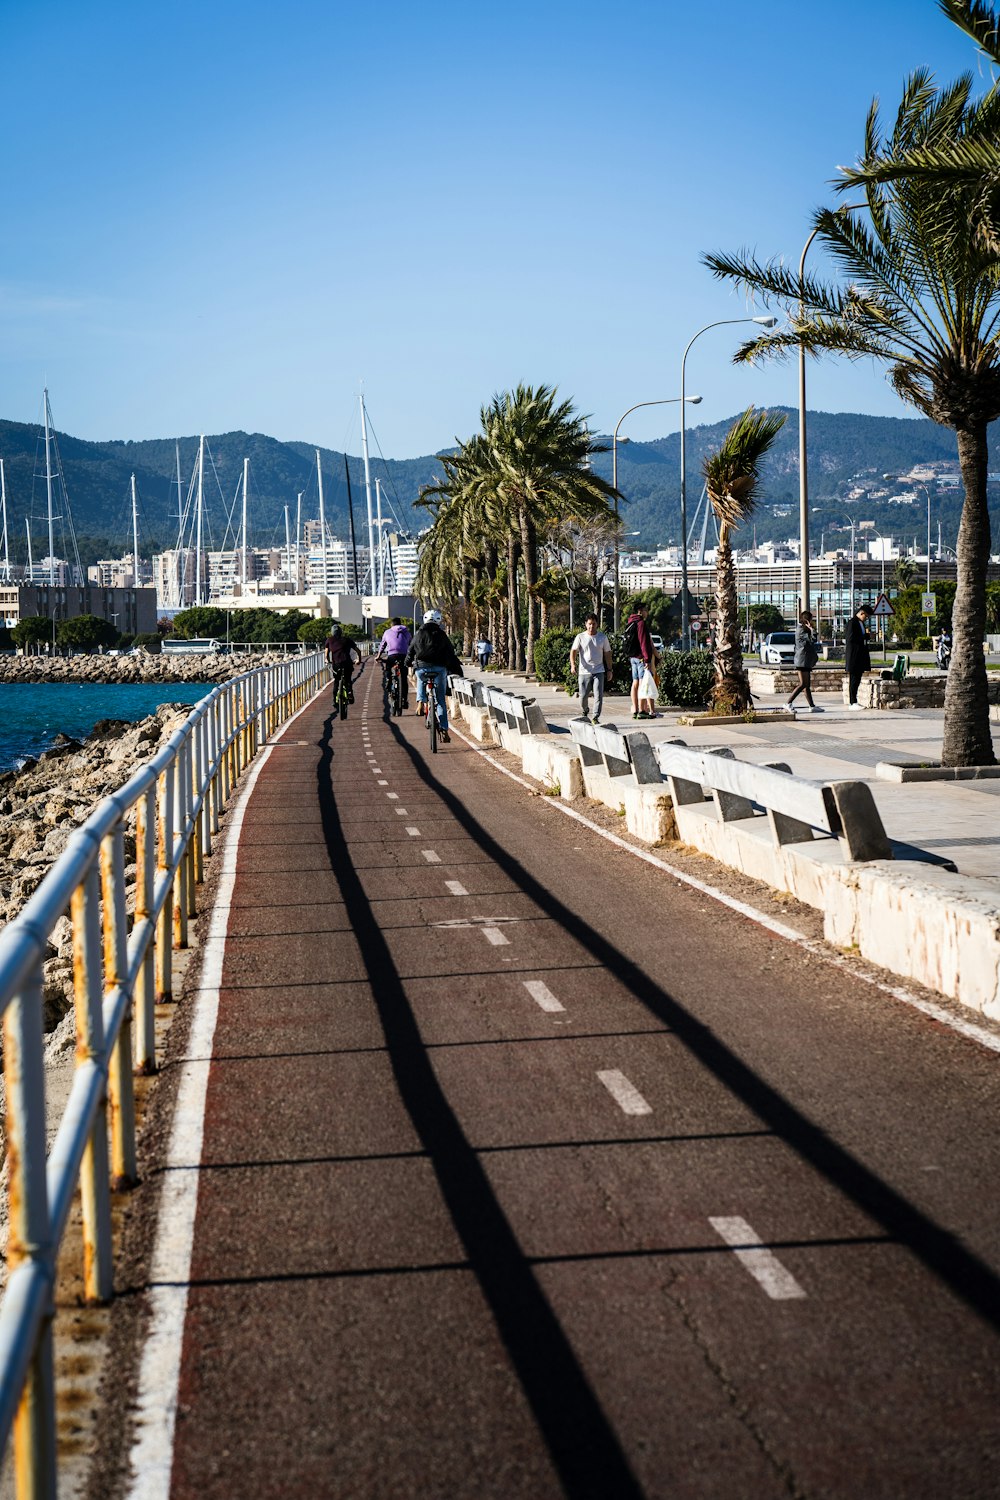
(529, 1171)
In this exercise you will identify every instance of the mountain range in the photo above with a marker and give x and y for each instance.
(842, 446)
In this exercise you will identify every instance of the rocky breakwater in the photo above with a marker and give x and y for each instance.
(144, 667)
(42, 803)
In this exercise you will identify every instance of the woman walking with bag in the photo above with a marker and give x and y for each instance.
(806, 657)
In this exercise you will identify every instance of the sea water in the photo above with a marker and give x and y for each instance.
(33, 713)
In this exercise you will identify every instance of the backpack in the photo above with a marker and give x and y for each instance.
(630, 640)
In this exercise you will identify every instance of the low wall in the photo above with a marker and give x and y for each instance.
(784, 679)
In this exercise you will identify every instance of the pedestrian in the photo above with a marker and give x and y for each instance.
(858, 659)
(806, 657)
(639, 648)
(590, 658)
(484, 650)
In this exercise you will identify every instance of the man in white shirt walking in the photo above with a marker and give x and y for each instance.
(590, 658)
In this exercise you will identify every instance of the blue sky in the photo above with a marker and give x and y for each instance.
(222, 216)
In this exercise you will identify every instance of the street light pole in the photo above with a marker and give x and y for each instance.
(667, 401)
(803, 458)
(766, 322)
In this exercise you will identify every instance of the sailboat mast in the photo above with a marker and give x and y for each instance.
(288, 545)
(350, 512)
(135, 538)
(27, 527)
(246, 482)
(298, 538)
(381, 571)
(322, 523)
(6, 538)
(201, 503)
(48, 490)
(368, 494)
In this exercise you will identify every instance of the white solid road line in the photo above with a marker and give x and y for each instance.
(431, 857)
(542, 995)
(817, 950)
(625, 1094)
(763, 1265)
(155, 1404)
(413, 832)
(456, 888)
(495, 936)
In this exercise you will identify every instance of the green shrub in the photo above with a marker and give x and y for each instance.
(686, 677)
(552, 657)
(923, 643)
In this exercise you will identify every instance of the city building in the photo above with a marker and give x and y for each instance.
(130, 611)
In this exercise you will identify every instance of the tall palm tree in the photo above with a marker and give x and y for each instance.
(540, 452)
(732, 479)
(922, 295)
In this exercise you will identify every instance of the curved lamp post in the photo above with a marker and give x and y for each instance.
(766, 322)
(845, 208)
(667, 401)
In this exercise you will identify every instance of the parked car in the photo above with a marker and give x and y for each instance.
(657, 641)
(778, 648)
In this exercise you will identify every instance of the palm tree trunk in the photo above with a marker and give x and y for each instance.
(467, 636)
(529, 555)
(732, 689)
(967, 738)
(515, 649)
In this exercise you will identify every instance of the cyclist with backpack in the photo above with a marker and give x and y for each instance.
(338, 658)
(639, 648)
(433, 656)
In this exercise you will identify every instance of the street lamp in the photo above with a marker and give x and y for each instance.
(845, 208)
(667, 401)
(927, 497)
(765, 322)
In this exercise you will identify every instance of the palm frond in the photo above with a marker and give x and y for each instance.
(978, 20)
(732, 472)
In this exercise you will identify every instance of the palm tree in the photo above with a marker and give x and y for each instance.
(539, 462)
(906, 571)
(732, 479)
(922, 296)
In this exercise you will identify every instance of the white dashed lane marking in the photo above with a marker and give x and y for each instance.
(763, 1265)
(495, 936)
(542, 995)
(413, 832)
(393, 796)
(456, 888)
(431, 856)
(625, 1094)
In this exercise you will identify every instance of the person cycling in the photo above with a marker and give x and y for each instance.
(393, 647)
(433, 655)
(338, 658)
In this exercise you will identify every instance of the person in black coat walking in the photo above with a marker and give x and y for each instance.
(858, 657)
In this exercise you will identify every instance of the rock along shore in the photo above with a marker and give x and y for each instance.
(124, 669)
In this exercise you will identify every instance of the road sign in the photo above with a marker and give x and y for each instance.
(882, 607)
(928, 605)
(695, 624)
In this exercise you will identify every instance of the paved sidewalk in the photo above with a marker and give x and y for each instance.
(958, 820)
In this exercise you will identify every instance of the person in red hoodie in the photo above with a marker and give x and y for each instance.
(639, 646)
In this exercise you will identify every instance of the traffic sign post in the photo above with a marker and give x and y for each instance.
(882, 611)
(928, 605)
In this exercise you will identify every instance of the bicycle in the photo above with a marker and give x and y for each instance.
(432, 721)
(392, 685)
(341, 689)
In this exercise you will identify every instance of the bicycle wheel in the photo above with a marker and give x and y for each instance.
(342, 699)
(397, 691)
(432, 721)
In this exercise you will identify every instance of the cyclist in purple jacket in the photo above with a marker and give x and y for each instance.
(393, 647)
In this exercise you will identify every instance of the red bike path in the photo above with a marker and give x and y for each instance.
(487, 1097)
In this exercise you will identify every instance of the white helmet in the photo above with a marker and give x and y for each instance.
(432, 614)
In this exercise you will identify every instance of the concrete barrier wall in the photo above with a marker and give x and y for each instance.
(918, 921)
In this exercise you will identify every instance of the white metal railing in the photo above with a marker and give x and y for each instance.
(119, 973)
